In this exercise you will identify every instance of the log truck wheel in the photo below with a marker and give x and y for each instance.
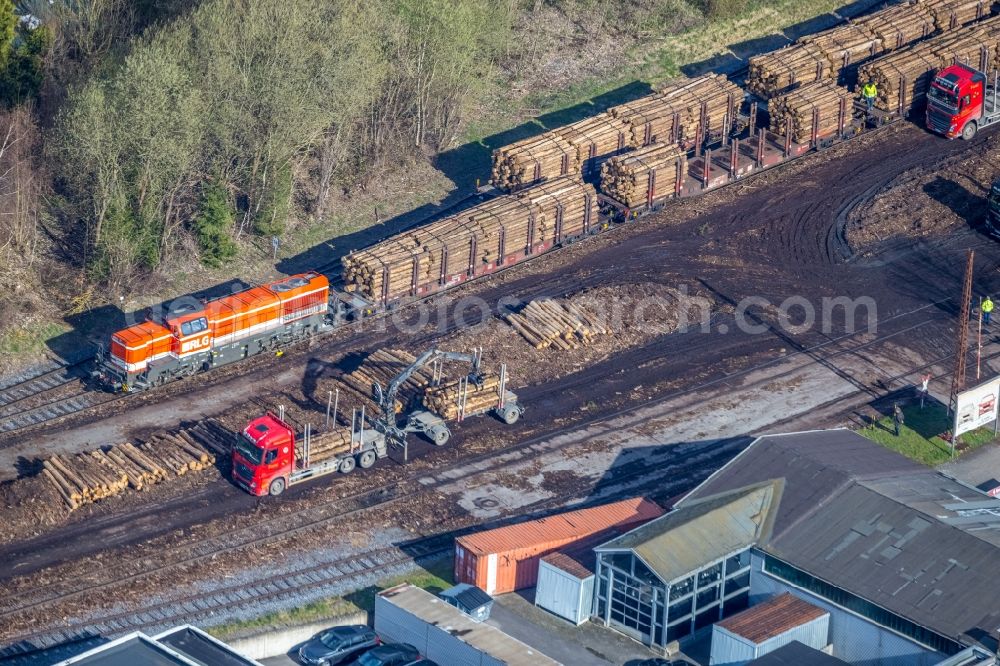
(277, 487)
(510, 415)
(346, 465)
(366, 459)
(969, 131)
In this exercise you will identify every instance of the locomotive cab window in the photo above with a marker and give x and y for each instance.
(194, 326)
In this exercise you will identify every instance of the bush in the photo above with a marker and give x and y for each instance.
(213, 226)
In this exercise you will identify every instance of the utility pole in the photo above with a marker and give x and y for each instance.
(958, 379)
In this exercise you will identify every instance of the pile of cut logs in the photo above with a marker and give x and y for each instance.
(449, 399)
(547, 155)
(88, 477)
(904, 76)
(826, 54)
(325, 444)
(595, 139)
(799, 105)
(900, 25)
(546, 322)
(382, 367)
(628, 178)
(445, 250)
(951, 14)
(674, 113)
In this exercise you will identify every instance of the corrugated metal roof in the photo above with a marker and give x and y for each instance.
(579, 564)
(797, 654)
(871, 522)
(560, 527)
(702, 530)
(772, 618)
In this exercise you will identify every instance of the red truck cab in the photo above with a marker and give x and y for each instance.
(263, 456)
(956, 102)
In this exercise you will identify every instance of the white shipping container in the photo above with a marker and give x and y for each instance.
(564, 594)
(730, 649)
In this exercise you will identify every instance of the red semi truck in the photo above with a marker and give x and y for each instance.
(961, 100)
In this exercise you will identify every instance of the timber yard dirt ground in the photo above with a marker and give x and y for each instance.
(779, 235)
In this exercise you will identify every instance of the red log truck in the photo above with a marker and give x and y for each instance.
(267, 458)
(960, 102)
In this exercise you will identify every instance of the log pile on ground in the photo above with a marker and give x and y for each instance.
(450, 398)
(799, 105)
(88, 477)
(651, 119)
(414, 262)
(546, 322)
(382, 367)
(547, 155)
(628, 178)
(904, 76)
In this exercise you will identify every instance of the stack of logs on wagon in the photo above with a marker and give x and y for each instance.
(823, 103)
(474, 241)
(88, 477)
(826, 55)
(672, 115)
(903, 77)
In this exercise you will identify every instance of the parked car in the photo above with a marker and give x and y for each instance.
(337, 645)
(389, 654)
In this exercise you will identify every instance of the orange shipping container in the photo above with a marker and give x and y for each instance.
(506, 559)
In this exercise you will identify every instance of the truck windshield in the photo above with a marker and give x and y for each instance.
(942, 95)
(248, 449)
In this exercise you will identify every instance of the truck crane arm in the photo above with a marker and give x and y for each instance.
(386, 398)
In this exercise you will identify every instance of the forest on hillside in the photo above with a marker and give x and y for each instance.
(135, 132)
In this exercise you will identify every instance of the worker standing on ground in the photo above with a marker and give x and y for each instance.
(897, 417)
(869, 92)
(987, 308)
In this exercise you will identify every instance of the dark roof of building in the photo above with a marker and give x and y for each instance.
(772, 618)
(702, 530)
(201, 648)
(134, 649)
(796, 654)
(469, 597)
(869, 521)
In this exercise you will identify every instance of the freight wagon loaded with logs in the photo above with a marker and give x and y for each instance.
(570, 182)
(268, 456)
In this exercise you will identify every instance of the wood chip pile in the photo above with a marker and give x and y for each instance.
(444, 399)
(548, 155)
(547, 322)
(383, 366)
(799, 105)
(825, 55)
(627, 178)
(904, 76)
(651, 119)
(530, 216)
(89, 477)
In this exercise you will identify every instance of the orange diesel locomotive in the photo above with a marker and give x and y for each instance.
(198, 337)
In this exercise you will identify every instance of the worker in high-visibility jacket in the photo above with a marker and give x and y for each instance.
(869, 92)
(987, 308)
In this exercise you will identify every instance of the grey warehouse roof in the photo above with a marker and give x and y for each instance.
(869, 521)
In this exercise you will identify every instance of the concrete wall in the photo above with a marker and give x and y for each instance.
(855, 640)
(279, 641)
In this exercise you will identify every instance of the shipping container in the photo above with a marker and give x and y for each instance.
(566, 584)
(505, 559)
(766, 627)
(444, 634)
